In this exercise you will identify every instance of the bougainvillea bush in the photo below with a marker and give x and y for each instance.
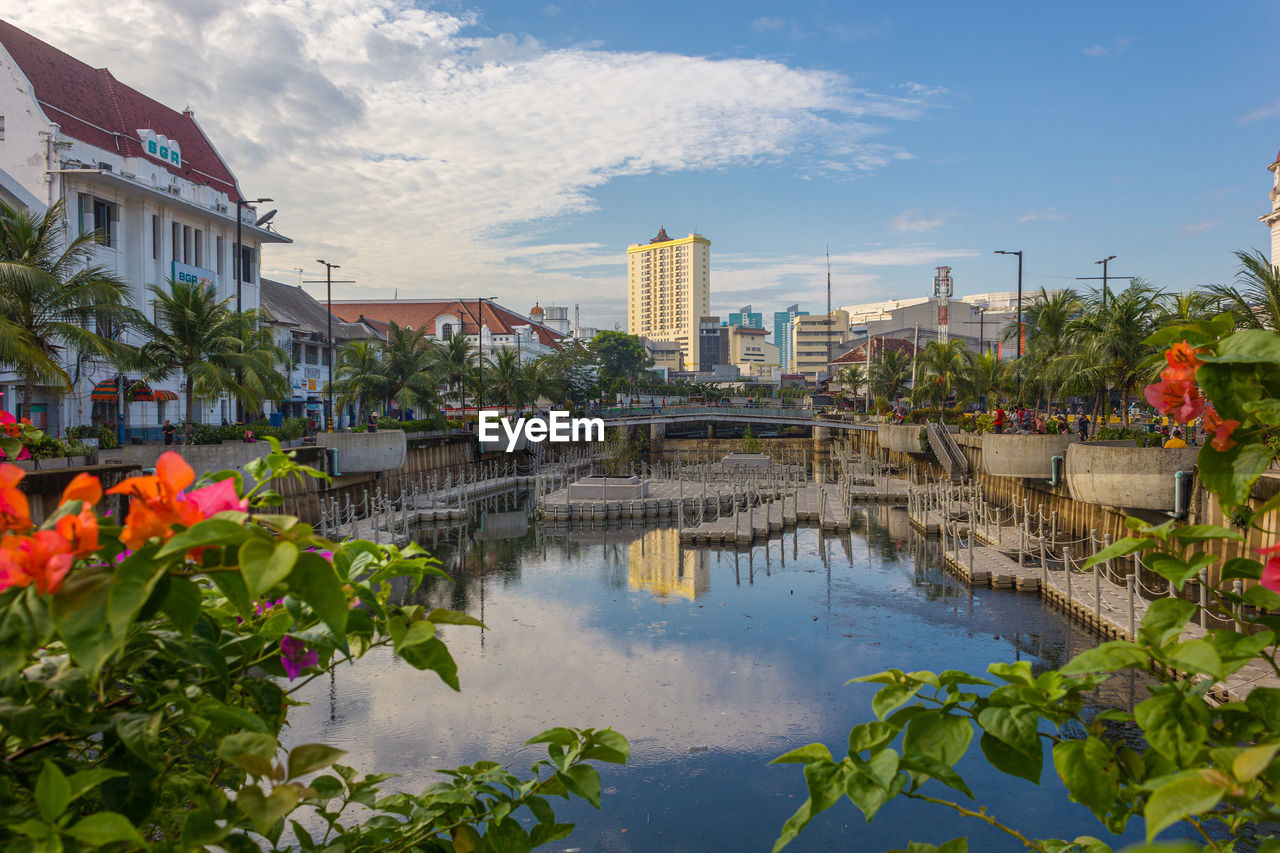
(148, 664)
(1209, 771)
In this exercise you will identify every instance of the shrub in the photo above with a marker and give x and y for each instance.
(1119, 433)
(146, 673)
(106, 437)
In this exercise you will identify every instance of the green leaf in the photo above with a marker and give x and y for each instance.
(106, 828)
(804, 755)
(558, 736)
(871, 735)
(1175, 726)
(1183, 795)
(53, 792)
(310, 757)
(1250, 763)
(1248, 346)
(1088, 769)
(131, 586)
(250, 751)
(265, 564)
(182, 603)
(872, 784)
(1241, 567)
(1014, 673)
(939, 736)
(1174, 569)
(1120, 548)
(202, 534)
(232, 585)
(1017, 727)
(893, 696)
(1108, 657)
(433, 655)
(583, 780)
(440, 616)
(79, 613)
(314, 581)
(24, 627)
(1205, 532)
(507, 835)
(419, 632)
(87, 780)
(1197, 656)
(1014, 762)
(926, 767)
(1164, 620)
(264, 811)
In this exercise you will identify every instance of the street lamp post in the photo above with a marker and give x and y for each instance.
(328, 289)
(1019, 330)
(982, 318)
(241, 204)
(1104, 277)
(480, 300)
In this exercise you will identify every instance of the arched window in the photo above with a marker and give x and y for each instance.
(447, 331)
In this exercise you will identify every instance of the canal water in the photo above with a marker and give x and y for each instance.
(712, 662)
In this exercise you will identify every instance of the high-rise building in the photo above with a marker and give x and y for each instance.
(816, 340)
(744, 316)
(668, 289)
(782, 333)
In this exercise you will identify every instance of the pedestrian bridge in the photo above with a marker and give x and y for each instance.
(642, 416)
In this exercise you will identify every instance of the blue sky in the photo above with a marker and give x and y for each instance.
(516, 149)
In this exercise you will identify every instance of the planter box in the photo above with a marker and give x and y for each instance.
(905, 438)
(51, 464)
(77, 461)
(1023, 455)
(25, 464)
(608, 489)
(1135, 477)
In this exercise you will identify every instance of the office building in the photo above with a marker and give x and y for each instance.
(815, 340)
(744, 316)
(782, 333)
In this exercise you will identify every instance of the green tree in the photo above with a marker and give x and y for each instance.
(984, 378)
(890, 375)
(621, 358)
(200, 338)
(1048, 323)
(54, 300)
(410, 366)
(571, 373)
(853, 378)
(1108, 348)
(359, 377)
(455, 364)
(939, 369)
(1256, 302)
(506, 379)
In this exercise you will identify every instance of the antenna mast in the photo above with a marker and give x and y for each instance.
(826, 369)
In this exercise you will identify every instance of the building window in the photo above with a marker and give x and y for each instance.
(155, 237)
(248, 262)
(106, 218)
(1, 128)
(187, 241)
(218, 260)
(447, 333)
(199, 243)
(175, 242)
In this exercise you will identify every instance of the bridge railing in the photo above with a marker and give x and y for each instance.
(714, 411)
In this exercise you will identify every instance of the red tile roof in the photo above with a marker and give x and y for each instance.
(93, 106)
(858, 354)
(422, 313)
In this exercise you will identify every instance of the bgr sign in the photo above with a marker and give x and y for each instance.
(161, 147)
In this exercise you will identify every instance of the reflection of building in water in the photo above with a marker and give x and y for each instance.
(658, 564)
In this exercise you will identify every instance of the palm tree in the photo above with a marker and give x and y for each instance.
(199, 337)
(853, 378)
(261, 374)
(359, 377)
(455, 364)
(1048, 322)
(506, 379)
(941, 366)
(1190, 306)
(409, 365)
(1257, 306)
(984, 376)
(53, 298)
(1107, 342)
(889, 374)
(539, 380)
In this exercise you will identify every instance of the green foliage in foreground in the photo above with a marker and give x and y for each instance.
(1209, 770)
(143, 693)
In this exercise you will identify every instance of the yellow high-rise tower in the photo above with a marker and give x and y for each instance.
(668, 289)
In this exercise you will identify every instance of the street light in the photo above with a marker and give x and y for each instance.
(480, 300)
(1104, 278)
(241, 203)
(1019, 254)
(328, 288)
(982, 317)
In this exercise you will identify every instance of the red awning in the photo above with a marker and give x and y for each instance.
(105, 392)
(163, 396)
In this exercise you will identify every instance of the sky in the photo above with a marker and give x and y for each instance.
(515, 149)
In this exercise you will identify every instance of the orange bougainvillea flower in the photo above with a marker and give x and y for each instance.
(15, 511)
(1182, 358)
(1220, 428)
(80, 531)
(158, 502)
(85, 487)
(42, 559)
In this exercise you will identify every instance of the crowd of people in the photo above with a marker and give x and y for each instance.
(1028, 421)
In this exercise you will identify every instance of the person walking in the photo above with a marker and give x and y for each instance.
(1175, 441)
(999, 419)
(1082, 423)
(168, 429)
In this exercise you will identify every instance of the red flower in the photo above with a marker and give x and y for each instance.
(1177, 397)
(1221, 428)
(15, 511)
(1182, 358)
(43, 559)
(80, 531)
(84, 487)
(158, 502)
(1271, 572)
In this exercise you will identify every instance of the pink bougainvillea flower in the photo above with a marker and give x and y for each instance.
(1271, 571)
(1220, 428)
(1179, 398)
(218, 497)
(296, 656)
(264, 606)
(42, 559)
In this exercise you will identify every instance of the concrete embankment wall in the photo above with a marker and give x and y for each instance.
(1076, 519)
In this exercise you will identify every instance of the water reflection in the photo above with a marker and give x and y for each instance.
(712, 662)
(659, 564)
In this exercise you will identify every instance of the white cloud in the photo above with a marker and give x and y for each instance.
(767, 24)
(551, 10)
(1116, 48)
(397, 141)
(910, 220)
(1199, 227)
(1044, 214)
(1266, 111)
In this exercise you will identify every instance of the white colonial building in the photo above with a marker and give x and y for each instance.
(151, 181)
(1272, 219)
